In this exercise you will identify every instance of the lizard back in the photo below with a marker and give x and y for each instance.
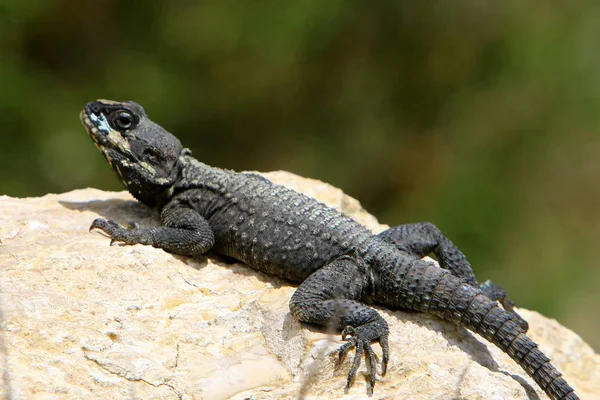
(270, 227)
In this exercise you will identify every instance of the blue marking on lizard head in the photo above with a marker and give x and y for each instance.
(143, 154)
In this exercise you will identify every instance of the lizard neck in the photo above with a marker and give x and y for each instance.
(194, 174)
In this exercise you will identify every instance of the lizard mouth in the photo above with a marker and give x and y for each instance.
(89, 126)
(98, 128)
(95, 124)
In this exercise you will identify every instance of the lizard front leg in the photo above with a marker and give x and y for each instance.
(185, 232)
(423, 238)
(329, 297)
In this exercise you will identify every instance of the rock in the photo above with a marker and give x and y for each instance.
(81, 320)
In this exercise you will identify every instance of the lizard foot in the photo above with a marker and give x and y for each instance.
(496, 293)
(116, 232)
(361, 338)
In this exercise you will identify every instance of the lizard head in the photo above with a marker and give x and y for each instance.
(143, 154)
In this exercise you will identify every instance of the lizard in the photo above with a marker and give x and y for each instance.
(340, 265)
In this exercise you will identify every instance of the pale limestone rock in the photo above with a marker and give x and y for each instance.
(82, 320)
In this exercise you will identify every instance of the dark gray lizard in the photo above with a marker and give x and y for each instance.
(339, 263)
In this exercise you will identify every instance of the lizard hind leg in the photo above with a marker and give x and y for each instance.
(331, 297)
(423, 238)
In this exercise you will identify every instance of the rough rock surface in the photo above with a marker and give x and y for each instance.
(82, 320)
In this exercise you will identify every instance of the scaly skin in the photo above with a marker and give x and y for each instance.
(339, 264)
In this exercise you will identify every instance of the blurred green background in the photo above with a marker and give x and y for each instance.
(480, 117)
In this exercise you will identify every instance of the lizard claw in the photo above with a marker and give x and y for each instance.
(348, 331)
(96, 224)
(105, 225)
(361, 338)
(111, 229)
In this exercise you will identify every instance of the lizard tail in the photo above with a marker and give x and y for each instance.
(453, 300)
(425, 287)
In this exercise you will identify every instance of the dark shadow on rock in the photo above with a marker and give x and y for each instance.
(196, 262)
(466, 341)
(455, 335)
(531, 393)
(239, 268)
(122, 211)
(127, 211)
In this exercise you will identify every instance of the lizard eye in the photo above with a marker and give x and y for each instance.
(122, 120)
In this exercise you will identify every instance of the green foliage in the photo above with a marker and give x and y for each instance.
(479, 117)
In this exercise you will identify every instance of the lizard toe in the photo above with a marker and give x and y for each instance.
(385, 347)
(361, 338)
(111, 229)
